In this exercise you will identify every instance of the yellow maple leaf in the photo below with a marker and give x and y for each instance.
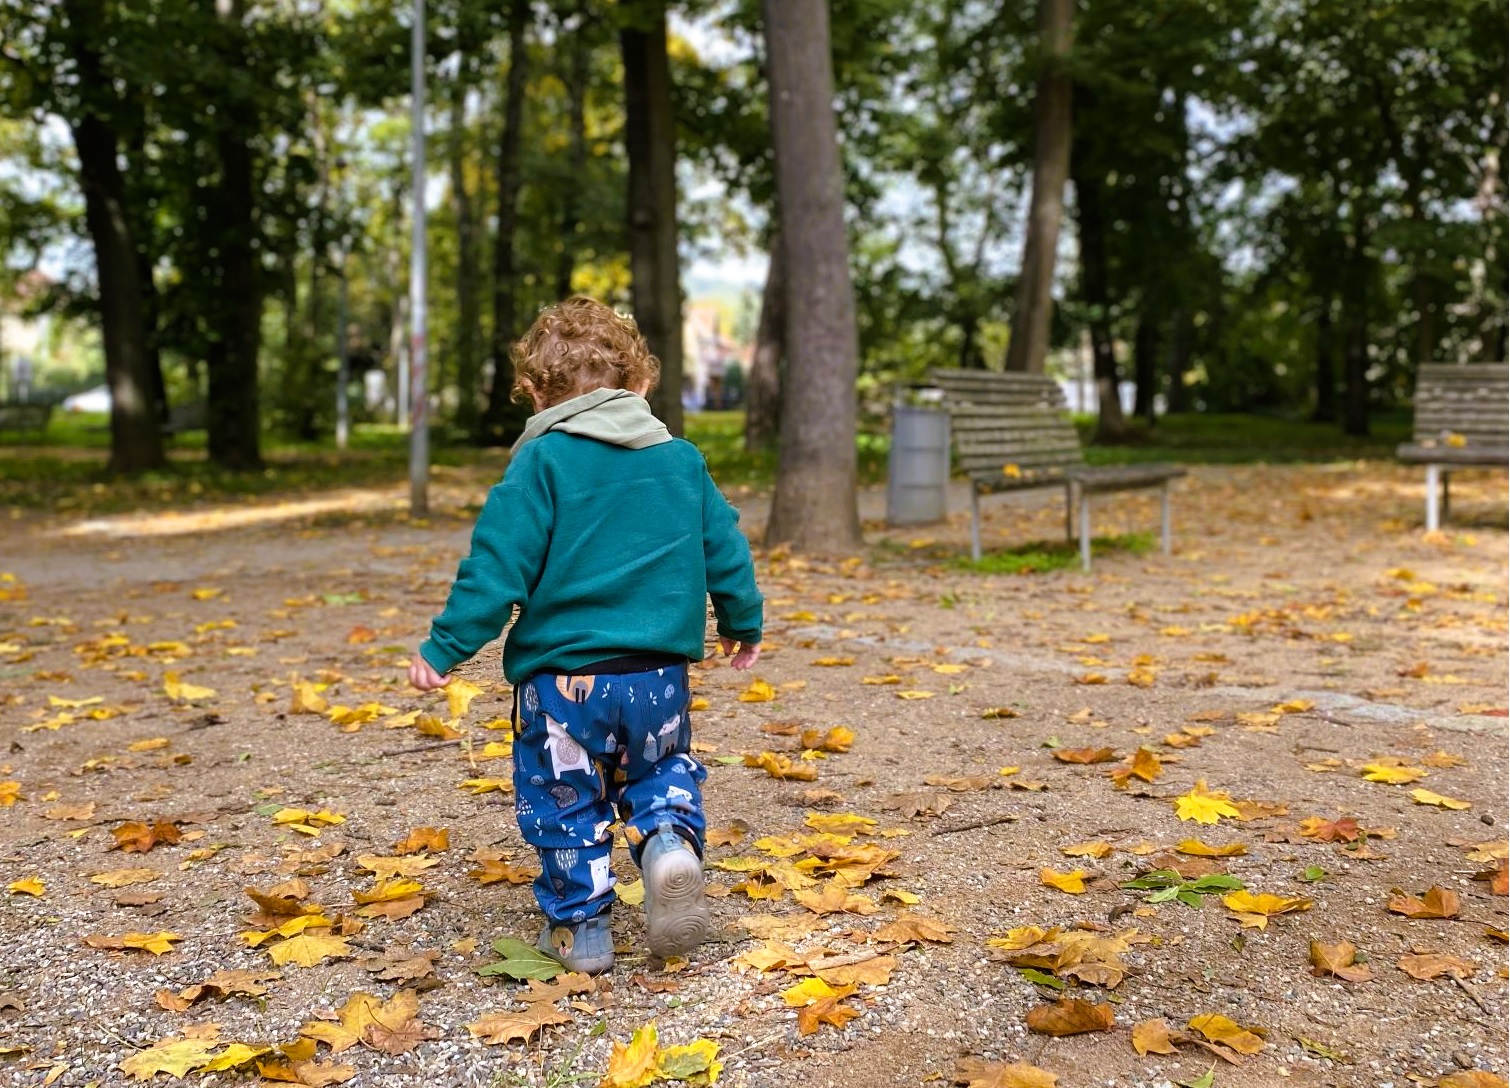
(73, 704)
(180, 692)
(477, 786)
(914, 695)
(1203, 806)
(1219, 1029)
(1426, 797)
(758, 692)
(233, 1057)
(385, 891)
(308, 949)
(172, 1056)
(695, 1060)
(633, 1065)
(307, 699)
(1072, 882)
(10, 793)
(1254, 911)
(206, 593)
(459, 696)
(1196, 848)
(813, 989)
(31, 885)
(1393, 773)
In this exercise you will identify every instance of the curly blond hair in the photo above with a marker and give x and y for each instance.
(579, 345)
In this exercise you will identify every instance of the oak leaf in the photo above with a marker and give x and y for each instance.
(1070, 1016)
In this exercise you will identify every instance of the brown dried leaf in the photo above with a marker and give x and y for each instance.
(1338, 960)
(1070, 1016)
(974, 1073)
(1152, 1037)
(1436, 903)
(1430, 965)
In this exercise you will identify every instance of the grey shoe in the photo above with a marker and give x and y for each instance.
(676, 916)
(581, 946)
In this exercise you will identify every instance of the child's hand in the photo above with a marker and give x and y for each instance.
(422, 676)
(745, 653)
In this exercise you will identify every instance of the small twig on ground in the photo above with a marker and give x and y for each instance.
(828, 963)
(1329, 718)
(1471, 992)
(991, 822)
(758, 1043)
(422, 747)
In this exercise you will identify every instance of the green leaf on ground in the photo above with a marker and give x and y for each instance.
(521, 961)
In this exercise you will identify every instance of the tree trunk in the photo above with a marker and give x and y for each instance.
(650, 141)
(1111, 426)
(1179, 362)
(815, 507)
(1029, 345)
(503, 419)
(576, 94)
(1326, 366)
(1355, 337)
(468, 315)
(232, 414)
(763, 387)
(1147, 342)
(135, 439)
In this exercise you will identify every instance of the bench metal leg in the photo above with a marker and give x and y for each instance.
(1446, 494)
(1433, 512)
(1085, 530)
(975, 525)
(1069, 510)
(1164, 517)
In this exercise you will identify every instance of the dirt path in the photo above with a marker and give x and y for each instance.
(1305, 628)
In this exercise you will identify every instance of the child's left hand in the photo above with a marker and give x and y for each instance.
(424, 677)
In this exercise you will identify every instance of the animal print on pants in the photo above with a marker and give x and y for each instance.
(587, 750)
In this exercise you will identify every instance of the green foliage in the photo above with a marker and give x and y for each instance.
(1166, 884)
(1040, 558)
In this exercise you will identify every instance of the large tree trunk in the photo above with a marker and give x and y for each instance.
(135, 440)
(1029, 345)
(1179, 361)
(503, 419)
(232, 415)
(1326, 365)
(763, 387)
(576, 95)
(1111, 426)
(815, 507)
(468, 408)
(1355, 337)
(650, 141)
(1147, 342)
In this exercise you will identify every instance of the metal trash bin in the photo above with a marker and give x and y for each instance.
(917, 477)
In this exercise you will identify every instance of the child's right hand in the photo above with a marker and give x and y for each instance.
(745, 653)
(424, 677)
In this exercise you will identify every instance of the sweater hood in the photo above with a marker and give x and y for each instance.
(615, 416)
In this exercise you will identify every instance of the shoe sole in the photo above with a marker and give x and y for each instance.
(679, 920)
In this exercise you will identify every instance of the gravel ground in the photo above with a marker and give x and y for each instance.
(1307, 586)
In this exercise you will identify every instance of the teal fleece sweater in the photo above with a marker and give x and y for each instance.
(605, 550)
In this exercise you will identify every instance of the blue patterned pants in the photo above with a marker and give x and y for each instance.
(587, 750)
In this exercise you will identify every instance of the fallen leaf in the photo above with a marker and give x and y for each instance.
(1196, 848)
(156, 943)
(31, 885)
(1085, 755)
(1072, 882)
(1204, 806)
(758, 692)
(632, 1065)
(1087, 850)
(132, 837)
(1219, 1029)
(1338, 960)
(1435, 903)
(916, 927)
(1430, 965)
(1423, 796)
(459, 696)
(1070, 1016)
(974, 1073)
(501, 1028)
(1152, 1037)
(1256, 910)
(309, 949)
(1392, 773)
(178, 691)
(827, 1011)
(780, 766)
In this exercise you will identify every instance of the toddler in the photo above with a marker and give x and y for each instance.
(609, 537)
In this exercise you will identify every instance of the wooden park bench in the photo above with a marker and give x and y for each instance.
(1011, 432)
(24, 417)
(1461, 414)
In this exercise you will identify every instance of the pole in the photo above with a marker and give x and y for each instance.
(419, 424)
(343, 367)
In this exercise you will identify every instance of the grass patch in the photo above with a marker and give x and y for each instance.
(721, 437)
(1246, 439)
(1041, 557)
